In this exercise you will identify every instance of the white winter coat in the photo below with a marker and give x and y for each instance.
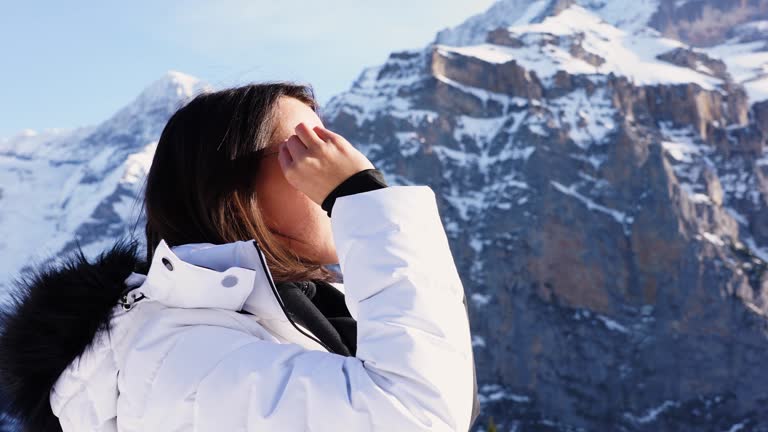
(184, 359)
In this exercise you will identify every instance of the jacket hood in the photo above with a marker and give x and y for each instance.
(50, 318)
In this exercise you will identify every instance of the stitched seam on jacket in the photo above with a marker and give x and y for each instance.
(157, 369)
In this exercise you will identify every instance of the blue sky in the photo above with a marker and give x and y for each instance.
(68, 64)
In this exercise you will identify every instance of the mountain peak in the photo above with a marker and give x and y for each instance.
(174, 85)
(628, 15)
(157, 102)
(503, 13)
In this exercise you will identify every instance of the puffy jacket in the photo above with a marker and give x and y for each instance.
(201, 342)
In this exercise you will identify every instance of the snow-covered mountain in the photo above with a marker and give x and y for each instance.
(60, 187)
(602, 173)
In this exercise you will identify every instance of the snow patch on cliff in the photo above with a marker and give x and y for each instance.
(619, 216)
(748, 65)
(549, 47)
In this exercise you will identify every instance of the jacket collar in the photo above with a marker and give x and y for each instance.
(230, 276)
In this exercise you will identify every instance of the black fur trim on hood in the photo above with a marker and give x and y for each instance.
(52, 316)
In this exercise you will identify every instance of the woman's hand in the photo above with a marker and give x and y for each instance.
(316, 160)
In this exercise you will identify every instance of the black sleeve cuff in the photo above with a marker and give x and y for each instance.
(363, 181)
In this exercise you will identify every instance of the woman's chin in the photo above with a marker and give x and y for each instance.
(319, 256)
(329, 258)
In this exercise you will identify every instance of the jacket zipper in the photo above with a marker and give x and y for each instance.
(280, 300)
(130, 297)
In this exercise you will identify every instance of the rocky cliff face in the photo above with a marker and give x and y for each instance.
(605, 191)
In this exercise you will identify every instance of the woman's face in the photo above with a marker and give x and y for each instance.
(300, 223)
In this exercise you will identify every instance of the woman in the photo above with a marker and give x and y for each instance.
(232, 322)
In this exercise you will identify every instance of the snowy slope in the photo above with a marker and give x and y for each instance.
(748, 63)
(56, 186)
(618, 51)
(616, 32)
(627, 15)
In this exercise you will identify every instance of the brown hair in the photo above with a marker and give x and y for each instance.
(200, 185)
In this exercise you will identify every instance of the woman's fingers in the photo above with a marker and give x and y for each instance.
(316, 160)
(327, 134)
(324, 133)
(296, 147)
(308, 136)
